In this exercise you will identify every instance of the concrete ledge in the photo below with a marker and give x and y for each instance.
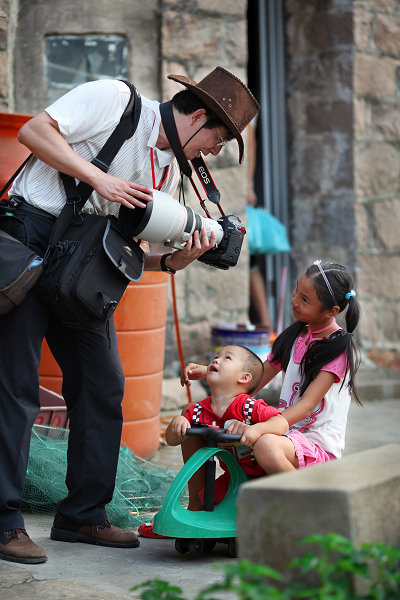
(357, 497)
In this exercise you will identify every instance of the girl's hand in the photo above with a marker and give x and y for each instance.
(251, 435)
(194, 372)
(236, 427)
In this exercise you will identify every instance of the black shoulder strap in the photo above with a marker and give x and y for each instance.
(17, 172)
(77, 195)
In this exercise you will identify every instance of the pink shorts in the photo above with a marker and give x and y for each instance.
(307, 452)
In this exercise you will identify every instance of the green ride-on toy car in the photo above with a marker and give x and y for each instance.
(198, 531)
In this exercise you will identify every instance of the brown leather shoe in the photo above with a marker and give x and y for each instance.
(102, 534)
(16, 546)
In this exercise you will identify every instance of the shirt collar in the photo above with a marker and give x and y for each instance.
(164, 157)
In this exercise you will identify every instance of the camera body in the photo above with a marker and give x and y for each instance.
(226, 253)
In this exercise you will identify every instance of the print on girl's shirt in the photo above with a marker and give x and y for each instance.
(295, 390)
(303, 425)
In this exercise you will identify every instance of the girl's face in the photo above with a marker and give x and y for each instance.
(306, 305)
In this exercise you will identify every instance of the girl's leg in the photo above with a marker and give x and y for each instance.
(275, 453)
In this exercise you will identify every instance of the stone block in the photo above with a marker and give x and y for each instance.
(361, 215)
(391, 321)
(184, 37)
(378, 276)
(375, 76)
(329, 116)
(386, 221)
(369, 327)
(385, 121)
(387, 33)
(3, 75)
(351, 497)
(235, 41)
(377, 168)
(228, 7)
(363, 20)
(326, 31)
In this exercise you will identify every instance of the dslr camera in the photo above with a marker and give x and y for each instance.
(166, 220)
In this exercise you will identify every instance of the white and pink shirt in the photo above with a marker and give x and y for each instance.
(326, 426)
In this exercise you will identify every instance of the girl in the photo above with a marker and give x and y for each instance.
(319, 360)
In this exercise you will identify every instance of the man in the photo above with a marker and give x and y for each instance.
(65, 137)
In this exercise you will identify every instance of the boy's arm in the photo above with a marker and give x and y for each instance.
(176, 430)
(311, 397)
(194, 372)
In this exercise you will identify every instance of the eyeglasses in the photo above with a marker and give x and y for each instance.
(328, 285)
(221, 142)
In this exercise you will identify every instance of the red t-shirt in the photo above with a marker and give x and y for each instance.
(236, 411)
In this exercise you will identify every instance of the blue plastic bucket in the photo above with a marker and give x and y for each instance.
(257, 340)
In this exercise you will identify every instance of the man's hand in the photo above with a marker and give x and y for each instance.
(196, 246)
(124, 192)
(194, 372)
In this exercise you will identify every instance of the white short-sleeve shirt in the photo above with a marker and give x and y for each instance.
(86, 116)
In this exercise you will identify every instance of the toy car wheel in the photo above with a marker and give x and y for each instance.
(232, 547)
(209, 545)
(196, 547)
(181, 545)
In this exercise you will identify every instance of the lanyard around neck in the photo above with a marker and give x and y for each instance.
(156, 187)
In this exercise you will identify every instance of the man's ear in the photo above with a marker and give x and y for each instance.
(197, 116)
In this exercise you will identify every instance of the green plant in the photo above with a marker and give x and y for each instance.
(334, 568)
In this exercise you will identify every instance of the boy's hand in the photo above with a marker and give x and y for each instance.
(179, 425)
(194, 372)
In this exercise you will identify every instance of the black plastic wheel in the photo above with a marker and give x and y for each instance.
(182, 545)
(209, 545)
(196, 547)
(232, 547)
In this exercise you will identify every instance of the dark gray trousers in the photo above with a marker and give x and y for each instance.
(93, 387)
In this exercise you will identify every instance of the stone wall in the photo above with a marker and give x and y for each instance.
(377, 168)
(319, 47)
(195, 37)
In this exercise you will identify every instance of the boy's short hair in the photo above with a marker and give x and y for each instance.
(254, 365)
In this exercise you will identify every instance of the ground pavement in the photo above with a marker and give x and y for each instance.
(81, 571)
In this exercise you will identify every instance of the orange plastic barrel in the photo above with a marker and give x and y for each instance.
(140, 321)
(12, 153)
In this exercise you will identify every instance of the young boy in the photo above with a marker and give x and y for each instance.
(232, 375)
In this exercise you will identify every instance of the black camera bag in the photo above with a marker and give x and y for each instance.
(88, 270)
(89, 263)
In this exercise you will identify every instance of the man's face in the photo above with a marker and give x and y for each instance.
(205, 141)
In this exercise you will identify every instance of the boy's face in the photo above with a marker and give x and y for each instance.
(227, 367)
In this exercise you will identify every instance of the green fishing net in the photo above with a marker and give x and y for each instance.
(140, 487)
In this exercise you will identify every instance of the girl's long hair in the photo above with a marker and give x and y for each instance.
(323, 351)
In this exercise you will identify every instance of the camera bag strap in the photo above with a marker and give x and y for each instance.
(77, 195)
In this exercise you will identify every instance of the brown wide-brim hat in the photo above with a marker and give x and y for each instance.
(228, 97)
